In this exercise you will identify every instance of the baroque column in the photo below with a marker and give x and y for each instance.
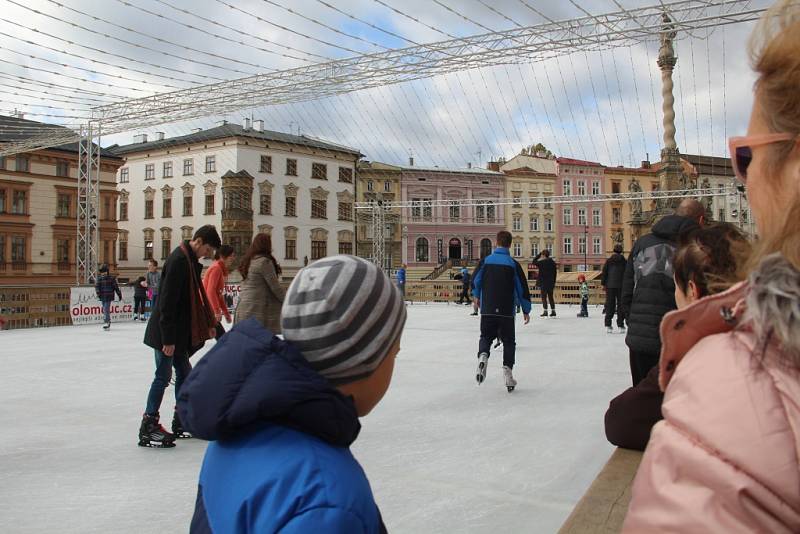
(670, 173)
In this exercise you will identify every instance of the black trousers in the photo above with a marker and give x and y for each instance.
(547, 293)
(493, 326)
(641, 363)
(138, 305)
(220, 330)
(464, 297)
(614, 305)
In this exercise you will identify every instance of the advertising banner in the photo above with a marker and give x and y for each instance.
(86, 308)
(231, 294)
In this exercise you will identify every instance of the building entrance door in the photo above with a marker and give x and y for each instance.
(455, 249)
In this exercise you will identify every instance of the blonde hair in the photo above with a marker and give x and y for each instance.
(775, 57)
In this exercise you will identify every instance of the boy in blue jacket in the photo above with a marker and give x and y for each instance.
(499, 287)
(282, 414)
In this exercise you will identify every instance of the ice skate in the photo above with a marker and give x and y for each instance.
(621, 330)
(509, 378)
(152, 434)
(143, 318)
(135, 317)
(177, 428)
(553, 313)
(483, 361)
(474, 313)
(609, 330)
(107, 326)
(544, 314)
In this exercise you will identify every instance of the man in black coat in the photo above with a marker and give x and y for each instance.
(648, 288)
(547, 280)
(613, 273)
(169, 330)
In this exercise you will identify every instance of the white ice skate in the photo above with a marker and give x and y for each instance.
(609, 330)
(509, 378)
(621, 330)
(483, 362)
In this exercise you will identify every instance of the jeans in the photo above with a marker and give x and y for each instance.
(584, 306)
(107, 310)
(164, 365)
(493, 326)
(153, 302)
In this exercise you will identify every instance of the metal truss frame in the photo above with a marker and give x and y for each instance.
(88, 204)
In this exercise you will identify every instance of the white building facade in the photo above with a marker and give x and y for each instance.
(243, 180)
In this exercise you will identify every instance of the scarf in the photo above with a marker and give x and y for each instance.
(203, 319)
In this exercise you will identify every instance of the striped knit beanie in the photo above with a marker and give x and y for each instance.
(344, 315)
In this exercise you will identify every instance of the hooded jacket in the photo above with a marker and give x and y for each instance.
(614, 271)
(725, 457)
(501, 286)
(279, 457)
(648, 288)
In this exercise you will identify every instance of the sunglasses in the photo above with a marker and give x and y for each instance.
(742, 149)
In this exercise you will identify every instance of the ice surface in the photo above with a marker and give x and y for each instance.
(442, 454)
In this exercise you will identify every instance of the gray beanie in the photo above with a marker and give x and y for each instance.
(344, 315)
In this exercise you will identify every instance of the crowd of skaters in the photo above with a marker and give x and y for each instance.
(713, 332)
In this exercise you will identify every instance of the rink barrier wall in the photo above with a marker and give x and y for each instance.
(33, 307)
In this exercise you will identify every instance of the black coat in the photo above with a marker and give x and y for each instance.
(648, 288)
(614, 271)
(171, 322)
(547, 272)
(139, 292)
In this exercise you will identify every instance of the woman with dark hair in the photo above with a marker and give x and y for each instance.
(261, 295)
(214, 284)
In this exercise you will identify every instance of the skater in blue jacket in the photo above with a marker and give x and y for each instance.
(500, 286)
(281, 414)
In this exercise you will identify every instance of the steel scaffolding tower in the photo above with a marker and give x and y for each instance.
(88, 203)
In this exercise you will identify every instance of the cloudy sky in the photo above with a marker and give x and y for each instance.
(598, 105)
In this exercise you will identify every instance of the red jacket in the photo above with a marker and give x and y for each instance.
(214, 283)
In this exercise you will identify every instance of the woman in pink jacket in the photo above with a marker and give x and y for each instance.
(726, 456)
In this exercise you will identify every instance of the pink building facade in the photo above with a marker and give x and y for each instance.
(581, 227)
(434, 234)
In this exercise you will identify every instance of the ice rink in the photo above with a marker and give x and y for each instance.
(442, 454)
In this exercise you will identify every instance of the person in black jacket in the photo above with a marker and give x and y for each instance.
(547, 280)
(169, 330)
(648, 290)
(139, 298)
(613, 273)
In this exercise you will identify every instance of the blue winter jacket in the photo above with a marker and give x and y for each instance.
(501, 286)
(401, 276)
(279, 457)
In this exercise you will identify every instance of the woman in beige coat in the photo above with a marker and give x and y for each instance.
(261, 295)
(726, 456)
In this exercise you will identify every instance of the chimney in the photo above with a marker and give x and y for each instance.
(159, 136)
(222, 123)
(645, 164)
(140, 138)
(493, 166)
(411, 161)
(469, 164)
(197, 130)
(258, 125)
(246, 123)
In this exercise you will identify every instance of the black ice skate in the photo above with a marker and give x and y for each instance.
(135, 317)
(509, 378)
(483, 362)
(177, 428)
(152, 434)
(544, 313)
(107, 326)
(553, 313)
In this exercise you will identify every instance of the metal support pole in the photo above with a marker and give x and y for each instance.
(88, 205)
(378, 236)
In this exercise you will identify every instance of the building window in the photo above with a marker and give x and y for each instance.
(188, 167)
(319, 171)
(345, 247)
(167, 208)
(18, 203)
(291, 207)
(18, 250)
(265, 204)
(266, 164)
(567, 187)
(291, 249)
(186, 233)
(187, 206)
(582, 245)
(209, 205)
(148, 244)
(534, 248)
(517, 203)
(567, 216)
(721, 215)
(319, 209)
(166, 171)
(62, 168)
(291, 167)
(548, 224)
(517, 250)
(123, 209)
(2, 200)
(211, 163)
(106, 213)
(166, 243)
(346, 175)
(63, 205)
(615, 188)
(387, 186)
(548, 202)
(455, 212)
(581, 217)
(421, 208)
(534, 224)
(124, 177)
(23, 164)
(596, 246)
(516, 224)
(596, 218)
(148, 209)
(345, 211)
(123, 248)
(62, 254)
(319, 249)
(581, 187)
(616, 215)
(422, 250)
(150, 171)
(567, 245)
(370, 185)
(595, 187)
